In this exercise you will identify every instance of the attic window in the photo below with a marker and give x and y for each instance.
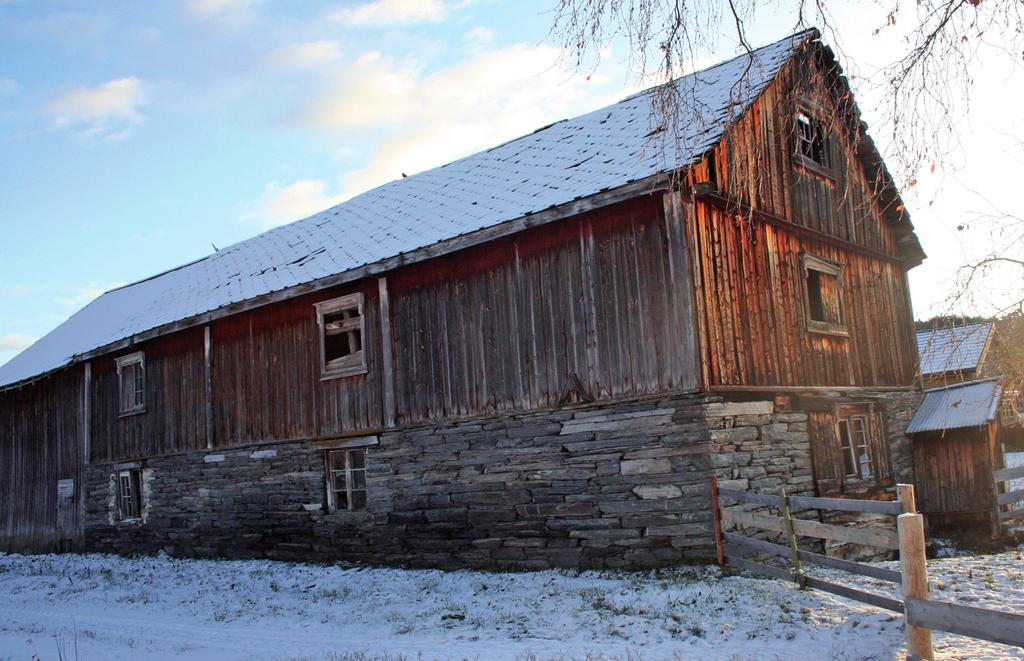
(824, 282)
(341, 336)
(811, 141)
(131, 376)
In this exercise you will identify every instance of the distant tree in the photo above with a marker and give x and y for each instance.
(926, 86)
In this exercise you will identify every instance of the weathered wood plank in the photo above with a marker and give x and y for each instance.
(815, 558)
(846, 504)
(749, 497)
(983, 623)
(869, 598)
(880, 538)
(1005, 474)
(1010, 497)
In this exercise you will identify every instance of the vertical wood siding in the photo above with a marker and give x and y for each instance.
(748, 270)
(953, 470)
(750, 277)
(604, 298)
(40, 443)
(266, 375)
(175, 415)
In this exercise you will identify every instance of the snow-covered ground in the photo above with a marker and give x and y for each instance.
(106, 607)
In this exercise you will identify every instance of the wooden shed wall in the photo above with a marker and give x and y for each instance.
(953, 470)
(748, 240)
(40, 443)
(605, 298)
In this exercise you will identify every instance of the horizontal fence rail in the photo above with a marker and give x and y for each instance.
(817, 559)
(995, 626)
(1009, 497)
(885, 539)
(922, 615)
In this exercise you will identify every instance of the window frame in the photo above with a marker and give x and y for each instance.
(852, 449)
(815, 125)
(350, 475)
(138, 359)
(346, 302)
(832, 269)
(130, 477)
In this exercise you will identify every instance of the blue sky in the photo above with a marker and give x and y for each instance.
(134, 136)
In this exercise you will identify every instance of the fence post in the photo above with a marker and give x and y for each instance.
(915, 579)
(907, 499)
(794, 550)
(716, 510)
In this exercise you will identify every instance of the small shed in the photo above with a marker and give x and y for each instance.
(955, 437)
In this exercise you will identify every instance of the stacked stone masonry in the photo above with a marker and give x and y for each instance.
(607, 485)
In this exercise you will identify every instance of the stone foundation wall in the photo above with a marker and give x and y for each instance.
(612, 485)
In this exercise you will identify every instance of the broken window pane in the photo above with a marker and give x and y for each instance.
(129, 493)
(341, 323)
(810, 139)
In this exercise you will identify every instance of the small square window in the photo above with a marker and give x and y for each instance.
(129, 494)
(131, 376)
(823, 289)
(346, 480)
(811, 141)
(341, 336)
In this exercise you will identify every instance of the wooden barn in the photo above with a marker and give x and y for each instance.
(534, 356)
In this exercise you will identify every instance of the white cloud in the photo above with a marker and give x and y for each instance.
(306, 55)
(383, 13)
(478, 36)
(16, 342)
(106, 111)
(427, 120)
(282, 204)
(222, 11)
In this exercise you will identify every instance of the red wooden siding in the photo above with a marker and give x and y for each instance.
(604, 297)
(751, 284)
(266, 375)
(175, 415)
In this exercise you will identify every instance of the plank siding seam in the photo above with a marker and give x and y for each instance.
(387, 369)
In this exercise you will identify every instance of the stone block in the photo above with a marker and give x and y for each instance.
(645, 466)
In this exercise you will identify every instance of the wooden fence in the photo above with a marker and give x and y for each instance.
(922, 614)
(1007, 497)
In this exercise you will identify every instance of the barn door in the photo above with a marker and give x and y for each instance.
(66, 527)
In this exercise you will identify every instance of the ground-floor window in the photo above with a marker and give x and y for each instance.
(850, 449)
(128, 497)
(346, 479)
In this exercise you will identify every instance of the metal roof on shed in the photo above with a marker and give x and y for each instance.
(566, 161)
(962, 405)
(955, 349)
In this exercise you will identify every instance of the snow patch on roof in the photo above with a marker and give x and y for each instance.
(566, 161)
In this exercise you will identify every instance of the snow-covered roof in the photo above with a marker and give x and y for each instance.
(553, 166)
(961, 405)
(953, 349)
